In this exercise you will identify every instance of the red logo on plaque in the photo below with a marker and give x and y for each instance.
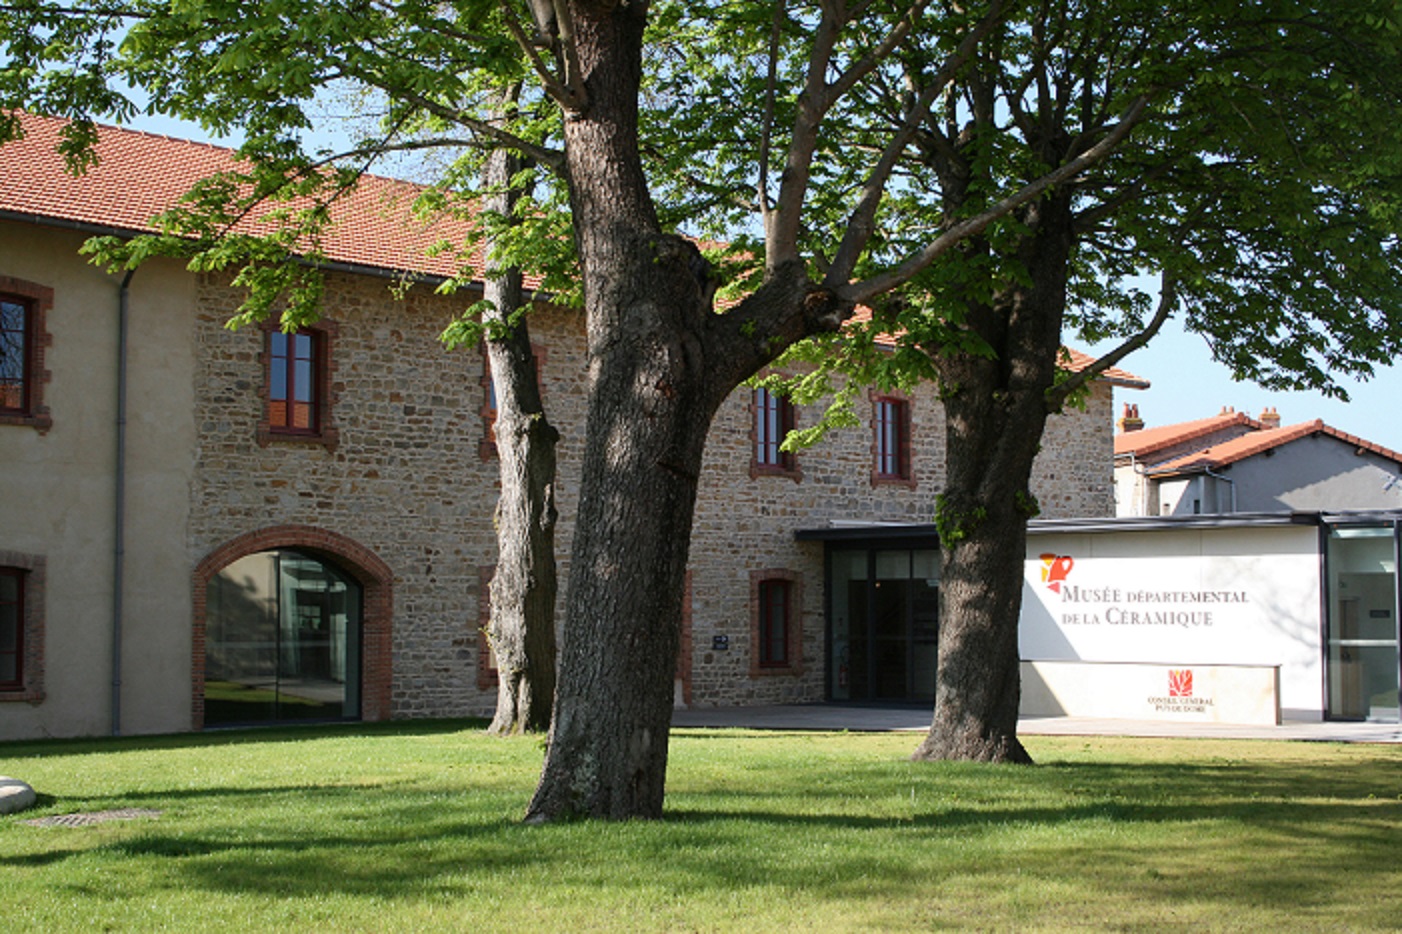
(1180, 683)
(1054, 570)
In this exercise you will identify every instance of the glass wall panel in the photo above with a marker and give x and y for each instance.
(282, 641)
(848, 623)
(1363, 661)
(884, 628)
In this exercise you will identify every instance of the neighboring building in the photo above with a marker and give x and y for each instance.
(203, 526)
(1232, 463)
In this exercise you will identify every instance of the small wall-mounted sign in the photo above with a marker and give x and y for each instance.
(720, 643)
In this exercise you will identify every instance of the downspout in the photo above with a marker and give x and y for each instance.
(119, 520)
(1227, 480)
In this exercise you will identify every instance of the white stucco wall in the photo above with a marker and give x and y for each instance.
(59, 492)
(1227, 596)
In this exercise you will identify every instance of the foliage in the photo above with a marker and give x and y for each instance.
(1262, 175)
(412, 826)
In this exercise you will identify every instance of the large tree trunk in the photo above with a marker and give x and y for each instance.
(522, 627)
(996, 410)
(661, 361)
(649, 411)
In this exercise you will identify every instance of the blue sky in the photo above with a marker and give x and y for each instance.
(1186, 383)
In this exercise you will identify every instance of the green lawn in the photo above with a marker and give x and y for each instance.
(415, 827)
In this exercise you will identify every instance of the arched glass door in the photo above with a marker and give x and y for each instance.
(282, 641)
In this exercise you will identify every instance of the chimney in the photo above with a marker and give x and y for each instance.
(1131, 420)
(1226, 410)
(1270, 417)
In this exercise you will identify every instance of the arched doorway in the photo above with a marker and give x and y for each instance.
(282, 641)
(291, 625)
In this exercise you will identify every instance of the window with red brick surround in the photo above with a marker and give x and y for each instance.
(890, 440)
(297, 387)
(24, 342)
(776, 622)
(22, 585)
(773, 417)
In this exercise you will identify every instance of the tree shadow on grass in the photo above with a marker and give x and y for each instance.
(1143, 831)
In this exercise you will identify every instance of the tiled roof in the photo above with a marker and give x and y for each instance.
(1075, 360)
(1146, 442)
(1258, 442)
(139, 175)
(1079, 361)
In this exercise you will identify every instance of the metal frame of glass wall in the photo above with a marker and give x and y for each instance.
(882, 621)
(1362, 619)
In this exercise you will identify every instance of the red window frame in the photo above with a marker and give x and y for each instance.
(774, 418)
(296, 360)
(775, 613)
(12, 645)
(890, 440)
(16, 344)
(24, 308)
(776, 622)
(298, 391)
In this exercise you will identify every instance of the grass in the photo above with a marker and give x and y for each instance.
(415, 827)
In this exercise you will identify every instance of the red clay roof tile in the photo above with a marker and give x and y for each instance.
(139, 175)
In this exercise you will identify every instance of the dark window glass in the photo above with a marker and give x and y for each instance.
(282, 641)
(774, 419)
(774, 623)
(891, 427)
(11, 628)
(292, 381)
(14, 354)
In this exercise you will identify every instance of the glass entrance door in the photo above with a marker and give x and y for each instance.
(1363, 659)
(884, 625)
(282, 641)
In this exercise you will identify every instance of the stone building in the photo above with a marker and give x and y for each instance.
(204, 526)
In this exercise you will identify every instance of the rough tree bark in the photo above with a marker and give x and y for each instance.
(523, 587)
(660, 363)
(996, 410)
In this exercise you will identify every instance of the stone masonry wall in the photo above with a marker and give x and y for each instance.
(407, 478)
(746, 524)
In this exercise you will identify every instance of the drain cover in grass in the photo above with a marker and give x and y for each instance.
(95, 817)
(15, 795)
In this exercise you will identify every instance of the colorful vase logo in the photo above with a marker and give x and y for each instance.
(1054, 570)
(1180, 682)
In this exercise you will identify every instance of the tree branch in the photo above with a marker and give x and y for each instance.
(861, 222)
(766, 129)
(550, 158)
(569, 51)
(563, 95)
(906, 21)
(781, 229)
(885, 282)
(1168, 300)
